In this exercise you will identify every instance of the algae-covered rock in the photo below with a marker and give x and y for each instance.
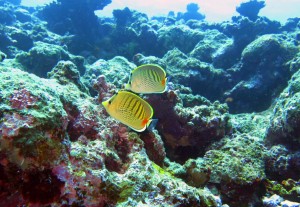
(116, 71)
(122, 16)
(233, 168)
(43, 57)
(270, 47)
(254, 124)
(244, 31)
(237, 165)
(287, 191)
(65, 72)
(23, 15)
(6, 14)
(281, 163)
(197, 174)
(76, 18)
(58, 144)
(140, 59)
(20, 38)
(33, 121)
(187, 131)
(264, 71)
(154, 146)
(155, 188)
(239, 159)
(285, 121)
(294, 64)
(179, 36)
(211, 46)
(201, 77)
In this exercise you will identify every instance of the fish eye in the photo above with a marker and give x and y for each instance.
(109, 101)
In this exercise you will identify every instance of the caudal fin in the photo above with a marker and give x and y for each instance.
(151, 125)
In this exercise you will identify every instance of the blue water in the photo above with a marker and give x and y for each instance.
(215, 10)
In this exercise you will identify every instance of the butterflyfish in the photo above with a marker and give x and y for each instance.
(130, 109)
(146, 79)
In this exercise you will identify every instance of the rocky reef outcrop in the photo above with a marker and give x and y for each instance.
(191, 13)
(250, 9)
(76, 18)
(284, 127)
(55, 138)
(228, 123)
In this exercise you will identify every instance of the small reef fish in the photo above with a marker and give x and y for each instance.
(147, 79)
(131, 110)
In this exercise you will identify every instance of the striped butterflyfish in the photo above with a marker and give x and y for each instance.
(147, 78)
(130, 109)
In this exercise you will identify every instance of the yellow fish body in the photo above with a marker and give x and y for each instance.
(146, 79)
(129, 109)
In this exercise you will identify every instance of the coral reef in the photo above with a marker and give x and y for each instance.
(45, 56)
(196, 74)
(243, 31)
(211, 46)
(250, 9)
(282, 163)
(269, 55)
(78, 18)
(192, 13)
(65, 72)
(116, 71)
(237, 165)
(188, 130)
(287, 189)
(6, 16)
(57, 139)
(228, 124)
(284, 127)
(181, 37)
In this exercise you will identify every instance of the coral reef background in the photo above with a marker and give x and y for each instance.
(228, 131)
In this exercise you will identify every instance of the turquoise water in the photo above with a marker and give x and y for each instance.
(215, 10)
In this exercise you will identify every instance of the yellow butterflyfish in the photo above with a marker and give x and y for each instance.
(130, 109)
(146, 79)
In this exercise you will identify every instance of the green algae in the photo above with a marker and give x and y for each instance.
(262, 46)
(127, 189)
(162, 171)
(254, 124)
(284, 124)
(80, 174)
(288, 189)
(239, 159)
